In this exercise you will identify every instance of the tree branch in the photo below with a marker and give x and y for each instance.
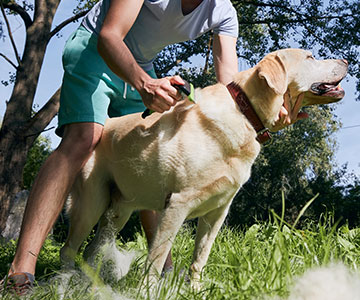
(169, 67)
(302, 17)
(66, 22)
(8, 60)
(263, 4)
(326, 42)
(36, 134)
(10, 34)
(20, 11)
(299, 20)
(43, 117)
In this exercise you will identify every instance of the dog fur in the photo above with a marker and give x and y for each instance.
(191, 161)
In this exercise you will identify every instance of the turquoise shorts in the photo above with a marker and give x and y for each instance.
(90, 91)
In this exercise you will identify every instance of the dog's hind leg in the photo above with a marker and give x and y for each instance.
(89, 201)
(112, 221)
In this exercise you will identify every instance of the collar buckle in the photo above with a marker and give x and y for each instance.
(264, 136)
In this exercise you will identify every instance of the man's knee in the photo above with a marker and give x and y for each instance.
(80, 139)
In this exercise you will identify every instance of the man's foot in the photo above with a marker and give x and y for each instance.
(19, 283)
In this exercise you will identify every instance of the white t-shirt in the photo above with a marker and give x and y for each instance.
(161, 23)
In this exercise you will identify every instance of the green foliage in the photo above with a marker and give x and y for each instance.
(340, 194)
(261, 261)
(37, 155)
(48, 260)
(7, 252)
(84, 5)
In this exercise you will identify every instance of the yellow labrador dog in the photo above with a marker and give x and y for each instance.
(190, 162)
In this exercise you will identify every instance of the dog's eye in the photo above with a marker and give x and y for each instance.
(310, 56)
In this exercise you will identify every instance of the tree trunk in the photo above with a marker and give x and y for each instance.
(19, 128)
(15, 143)
(12, 161)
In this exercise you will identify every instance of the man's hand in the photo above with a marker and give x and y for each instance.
(159, 94)
(288, 115)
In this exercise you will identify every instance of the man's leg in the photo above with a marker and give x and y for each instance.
(51, 189)
(149, 221)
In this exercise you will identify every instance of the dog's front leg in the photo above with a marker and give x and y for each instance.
(170, 222)
(207, 230)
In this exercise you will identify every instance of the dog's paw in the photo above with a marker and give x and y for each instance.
(195, 285)
(67, 258)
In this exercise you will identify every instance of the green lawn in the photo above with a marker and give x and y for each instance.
(261, 262)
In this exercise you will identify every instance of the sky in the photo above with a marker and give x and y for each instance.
(348, 110)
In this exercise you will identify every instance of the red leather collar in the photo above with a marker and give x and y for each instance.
(263, 134)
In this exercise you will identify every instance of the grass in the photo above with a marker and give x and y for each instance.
(260, 262)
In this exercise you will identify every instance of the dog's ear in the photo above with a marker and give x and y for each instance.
(273, 70)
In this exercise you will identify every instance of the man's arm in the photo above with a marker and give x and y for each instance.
(225, 58)
(157, 94)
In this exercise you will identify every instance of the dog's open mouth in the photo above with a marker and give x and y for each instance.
(332, 90)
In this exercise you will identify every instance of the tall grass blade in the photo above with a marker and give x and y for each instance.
(302, 211)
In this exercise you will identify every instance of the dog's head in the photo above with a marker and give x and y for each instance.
(296, 74)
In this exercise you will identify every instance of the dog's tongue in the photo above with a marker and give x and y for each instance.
(302, 115)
